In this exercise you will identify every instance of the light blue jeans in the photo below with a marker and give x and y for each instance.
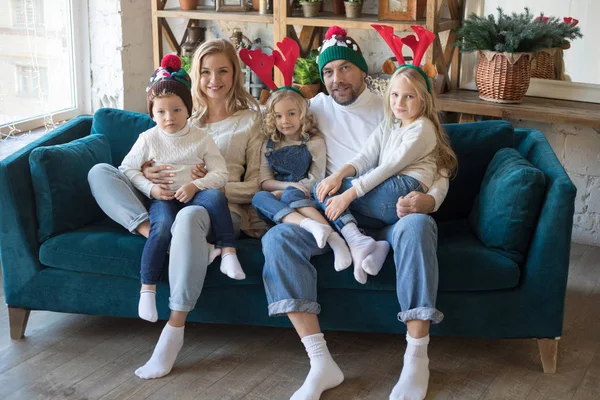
(270, 209)
(188, 256)
(291, 280)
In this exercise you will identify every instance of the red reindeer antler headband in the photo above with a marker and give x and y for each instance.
(284, 60)
(418, 47)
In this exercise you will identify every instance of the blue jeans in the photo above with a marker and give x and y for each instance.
(162, 217)
(270, 209)
(378, 205)
(291, 280)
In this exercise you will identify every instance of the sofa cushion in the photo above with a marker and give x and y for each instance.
(505, 212)
(122, 129)
(475, 145)
(106, 248)
(63, 198)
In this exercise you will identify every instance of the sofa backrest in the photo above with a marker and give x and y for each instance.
(475, 145)
(122, 129)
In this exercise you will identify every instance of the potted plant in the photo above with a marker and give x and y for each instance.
(311, 8)
(306, 75)
(188, 4)
(505, 44)
(548, 63)
(353, 8)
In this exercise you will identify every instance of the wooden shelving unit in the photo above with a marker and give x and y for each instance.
(284, 19)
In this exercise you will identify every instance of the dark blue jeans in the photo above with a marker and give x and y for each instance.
(272, 210)
(162, 216)
(377, 208)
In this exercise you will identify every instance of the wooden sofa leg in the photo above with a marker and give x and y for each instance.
(549, 354)
(17, 318)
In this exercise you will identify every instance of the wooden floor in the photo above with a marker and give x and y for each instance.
(84, 357)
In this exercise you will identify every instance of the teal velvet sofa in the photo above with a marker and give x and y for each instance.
(503, 247)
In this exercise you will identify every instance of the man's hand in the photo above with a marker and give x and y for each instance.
(415, 202)
(157, 175)
(199, 171)
(277, 194)
(161, 192)
(185, 193)
(328, 186)
(336, 205)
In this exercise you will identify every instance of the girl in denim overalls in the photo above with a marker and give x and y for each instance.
(293, 160)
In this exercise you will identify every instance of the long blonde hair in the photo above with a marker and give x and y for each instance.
(445, 158)
(308, 125)
(237, 98)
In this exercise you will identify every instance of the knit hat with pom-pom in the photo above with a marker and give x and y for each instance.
(338, 46)
(170, 78)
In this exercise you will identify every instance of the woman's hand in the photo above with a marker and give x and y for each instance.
(157, 175)
(336, 205)
(199, 171)
(185, 193)
(162, 192)
(329, 186)
(415, 202)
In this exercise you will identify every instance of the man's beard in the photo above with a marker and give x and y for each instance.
(351, 99)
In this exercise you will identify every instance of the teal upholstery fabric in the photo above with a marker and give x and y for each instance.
(63, 197)
(122, 129)
(505, 211)
(475, 145)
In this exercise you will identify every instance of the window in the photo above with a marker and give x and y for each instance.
(32, 82)
(44, 62)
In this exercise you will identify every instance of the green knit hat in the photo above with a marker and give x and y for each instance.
(338, 46)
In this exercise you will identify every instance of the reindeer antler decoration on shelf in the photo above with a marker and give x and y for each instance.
(284, 59)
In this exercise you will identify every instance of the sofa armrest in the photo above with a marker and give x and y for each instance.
(19, 247)
(547, 264)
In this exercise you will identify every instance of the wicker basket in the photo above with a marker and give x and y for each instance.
(542, 65)
(311, 9)
(353, 9)
(501, 80)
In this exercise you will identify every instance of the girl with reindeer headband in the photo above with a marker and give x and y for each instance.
(293, 155)
(407, 152)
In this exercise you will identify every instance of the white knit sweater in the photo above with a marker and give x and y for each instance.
(404, 150)
(182, 150)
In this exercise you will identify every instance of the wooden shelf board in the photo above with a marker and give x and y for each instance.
(531, 108)
(212, 15)
(328, 19)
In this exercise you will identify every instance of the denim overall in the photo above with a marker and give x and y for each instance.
(289, 164)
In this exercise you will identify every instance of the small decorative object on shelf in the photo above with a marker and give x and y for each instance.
(230, 5)
(401, 10)
(265, 7)
(306, 75)
(188, 4)
(353, 8)
(505, 44)
(548, 63)
(338, 7)
(195, 37)
(311, 8)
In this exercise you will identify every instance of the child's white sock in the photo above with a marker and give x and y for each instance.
(374, 261)
(320, 231)
(213, 252)
(341, 252)
(360, 247)
(324, 372)
(164, 355)
(414, 378)
(230, 266)
(147, 306)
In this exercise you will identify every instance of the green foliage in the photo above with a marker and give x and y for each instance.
(186, 63)
(310, 1)
(513, 33)
(559, 31)
(353, 1)
(306, 71)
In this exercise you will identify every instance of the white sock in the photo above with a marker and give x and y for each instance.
(213, 252)
(164, 355)
(360, 247)
(147, 306)
(320, 231)
(341, 252)
(374, 261)
(230, 266)
(324, 372)
(414, 378)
